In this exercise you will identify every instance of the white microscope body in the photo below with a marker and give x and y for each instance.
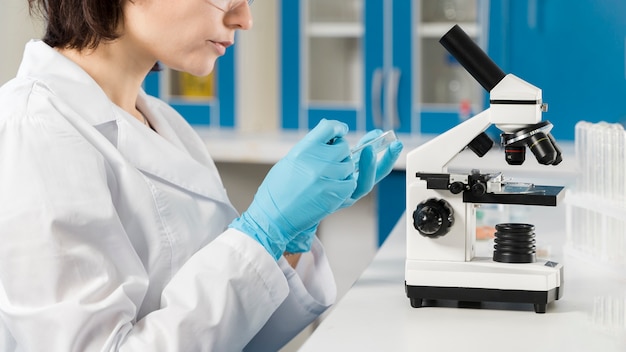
(441, 207)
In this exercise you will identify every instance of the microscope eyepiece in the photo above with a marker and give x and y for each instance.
(472, 57)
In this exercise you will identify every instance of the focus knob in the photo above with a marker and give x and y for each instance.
(433, 217)
(479, 189)
(457, 187)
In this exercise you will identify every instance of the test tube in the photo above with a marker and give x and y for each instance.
(581, 145)
(619, 151)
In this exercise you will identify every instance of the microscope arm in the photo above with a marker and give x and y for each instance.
(434, 155)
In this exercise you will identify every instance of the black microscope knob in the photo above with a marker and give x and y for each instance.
(457, 187)
(433, 217)
(479, 189)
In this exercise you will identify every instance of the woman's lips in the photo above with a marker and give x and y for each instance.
(221, 46)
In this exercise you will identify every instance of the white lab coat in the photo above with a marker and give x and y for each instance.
(114, 237)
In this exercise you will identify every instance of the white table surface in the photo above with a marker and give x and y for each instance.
(375, 314)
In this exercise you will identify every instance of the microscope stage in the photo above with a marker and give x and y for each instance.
(537, 195)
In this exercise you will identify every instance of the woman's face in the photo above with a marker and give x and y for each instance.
(185, 35)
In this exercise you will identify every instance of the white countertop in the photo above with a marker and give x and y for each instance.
(375, 314)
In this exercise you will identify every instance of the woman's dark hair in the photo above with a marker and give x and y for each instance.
(78, 24)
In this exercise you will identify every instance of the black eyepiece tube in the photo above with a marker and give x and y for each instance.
(472, 57)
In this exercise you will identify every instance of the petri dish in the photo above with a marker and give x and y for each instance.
(379, 144)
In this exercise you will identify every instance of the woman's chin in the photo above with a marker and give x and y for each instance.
(201, 70)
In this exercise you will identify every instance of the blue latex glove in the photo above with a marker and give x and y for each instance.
(371, 171)
(302, 242)
(312, 181)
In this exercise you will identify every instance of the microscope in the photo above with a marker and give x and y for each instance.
(441, 206)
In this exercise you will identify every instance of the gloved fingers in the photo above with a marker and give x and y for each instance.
(326, 142)
(326, 132)
(341, 189)
(321, 166)
(367, 173)
(339, 193)
(369, 136)
(386, 162)
(355, 152)
(323, 195)
(371, 170)
(338, 151)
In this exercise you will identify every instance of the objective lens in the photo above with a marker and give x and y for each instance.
(559, 156)
(542, 148)
(515, 155)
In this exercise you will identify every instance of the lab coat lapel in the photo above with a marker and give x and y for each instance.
(157, 156)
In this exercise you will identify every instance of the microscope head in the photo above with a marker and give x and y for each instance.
(516, 106)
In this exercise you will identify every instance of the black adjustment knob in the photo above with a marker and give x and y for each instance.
(478, 189)
(481, 144)
(433, 217)
(457, 187)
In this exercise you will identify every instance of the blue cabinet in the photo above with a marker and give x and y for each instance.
(573, 51)
(202, 101)
(376, 64)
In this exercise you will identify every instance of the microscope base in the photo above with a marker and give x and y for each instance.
(483, 280)
(540, 299)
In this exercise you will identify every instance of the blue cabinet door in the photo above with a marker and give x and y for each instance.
(446, 94)
(381, 91)
(322, 62)
(290, 64)
(375, 46)
(400, 75)
(573, 51)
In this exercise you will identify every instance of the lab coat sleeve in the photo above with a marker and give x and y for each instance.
(239, 302)
(312, 290)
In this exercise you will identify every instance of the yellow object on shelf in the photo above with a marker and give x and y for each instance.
(197, 87)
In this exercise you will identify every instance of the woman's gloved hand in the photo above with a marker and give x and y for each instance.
(371, 171)
(312, 181)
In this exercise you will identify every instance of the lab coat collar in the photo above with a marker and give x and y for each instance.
(63, 76)
(162, 155)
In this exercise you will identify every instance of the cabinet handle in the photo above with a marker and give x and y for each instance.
(377, 86)
(391, 100)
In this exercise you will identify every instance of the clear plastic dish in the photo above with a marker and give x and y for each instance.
(379, 144)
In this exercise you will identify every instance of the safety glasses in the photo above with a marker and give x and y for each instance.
(228, 5)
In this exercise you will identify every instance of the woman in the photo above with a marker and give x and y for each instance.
(117, 234)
